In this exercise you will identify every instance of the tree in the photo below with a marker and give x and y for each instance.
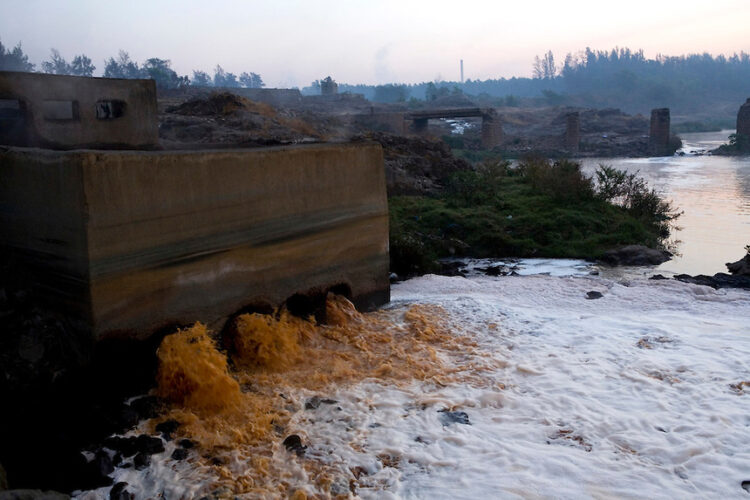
(251, 81)
(57, 65)
(165, 77)
(14, 59)
(123, 67)
(81, 66)
(201, 79)
(224, 78)
(545, 68)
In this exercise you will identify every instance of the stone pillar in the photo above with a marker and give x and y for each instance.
(492, 130)
(420, 126)
(658, 139)
(572, 131)
(743, 120)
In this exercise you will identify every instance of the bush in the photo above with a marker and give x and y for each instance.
(562, 180)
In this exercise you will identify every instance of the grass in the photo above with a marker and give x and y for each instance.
(540, 209)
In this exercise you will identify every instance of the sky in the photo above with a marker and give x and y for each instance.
(293, 42)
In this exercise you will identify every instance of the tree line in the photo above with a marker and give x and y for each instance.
(122, 66)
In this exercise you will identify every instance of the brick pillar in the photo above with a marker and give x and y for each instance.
(572, 131)
(658, 139)
(492, 130)
(743, 120)
(420, 126)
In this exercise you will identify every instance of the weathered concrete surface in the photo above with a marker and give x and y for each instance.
(134, 241)
(743, 120)
(69, 112)
(658, 138)
(573, 131)
(492, 129)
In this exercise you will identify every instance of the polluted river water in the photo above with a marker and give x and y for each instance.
(481, 386)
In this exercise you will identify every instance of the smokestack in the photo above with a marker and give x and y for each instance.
(462, 71)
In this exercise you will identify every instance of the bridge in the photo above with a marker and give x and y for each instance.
(492, 129)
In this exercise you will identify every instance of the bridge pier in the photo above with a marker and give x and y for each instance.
(421, 126)
(572, 131)
(658, 138)
(492, 130)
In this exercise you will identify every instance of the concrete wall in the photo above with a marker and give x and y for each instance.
(152, 239)
(68, 112)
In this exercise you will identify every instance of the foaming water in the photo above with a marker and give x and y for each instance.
(713, 192)
(504, 387)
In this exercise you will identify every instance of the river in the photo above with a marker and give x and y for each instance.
(713, 192)
(489, 387)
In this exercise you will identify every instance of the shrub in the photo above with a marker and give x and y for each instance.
(562, 179)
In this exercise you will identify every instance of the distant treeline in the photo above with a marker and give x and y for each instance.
(122, 66)
(619, 78)
(695, 84)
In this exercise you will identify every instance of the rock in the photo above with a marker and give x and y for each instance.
(454, 417)
(594, 295)
(147, 406)
(658, 277)
(293, 443)
(745, 485)
(32, 495)
(179, 454)
(635, 255)
(718, 280)
(141, 461)
(186, 443)
(741, 267)
(118, 492)
(3, 479)
(131, 445)
(314, 402)
(103, 463)
(167, 428)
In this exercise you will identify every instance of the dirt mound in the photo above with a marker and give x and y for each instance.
(415, 165)
(220, 103)
(224, 119)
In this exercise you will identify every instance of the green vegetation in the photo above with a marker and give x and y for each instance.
(738, 145)
(538, 208)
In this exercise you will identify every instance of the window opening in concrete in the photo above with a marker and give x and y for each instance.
(55, 110)
(10, 108)
(110, 109)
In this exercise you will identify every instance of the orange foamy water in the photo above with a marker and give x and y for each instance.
(237, 407)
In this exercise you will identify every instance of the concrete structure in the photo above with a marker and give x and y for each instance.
(492, 129)
(130, 242)
(393, 122)
(572, 131)
(658, 139)
(68, 112)
(743, 121)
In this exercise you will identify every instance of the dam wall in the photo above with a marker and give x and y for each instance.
(130, 242)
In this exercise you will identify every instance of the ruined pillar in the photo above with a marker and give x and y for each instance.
(658, 139)
(492, 130)
(420, 126)
(572, 131)
(743, 121)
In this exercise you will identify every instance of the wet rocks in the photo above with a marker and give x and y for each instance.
(314, 402)
(718, 280)
(293, 443)
(745, 485)
(454, 417)
(741, 267)
(145, 444)
(147, 406)
(167, 428)
(594, 295)
(635, 255)
(180, 454)
(118, 492)
(141, 461)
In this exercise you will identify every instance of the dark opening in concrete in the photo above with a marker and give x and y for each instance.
(109, 110)
(56, 110)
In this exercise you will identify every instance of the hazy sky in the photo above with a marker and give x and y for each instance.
(291, 43)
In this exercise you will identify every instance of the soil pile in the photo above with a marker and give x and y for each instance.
(224, 119)
(415, 165)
